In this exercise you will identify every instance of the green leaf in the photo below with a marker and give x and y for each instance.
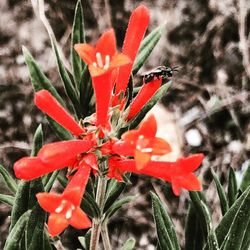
(7, 199)
(86, 92)
(78, 36)
(147, 45)
(61, 132)
(89, 206)
(205, 220)
(129, 244)
(194, 239)
(246, 240)
(50, 181)
(35, 229)
(117, 205)
(227, 220)
(114, 190)
(38, 79)
(9, 181)
(232, 187)
(149, 105)
(15, 236)
(21, 203)
(221, 193)
(165, 229)
(245, 183)
(236, 233)
(37, 141)
(68, 85)
(85, 241)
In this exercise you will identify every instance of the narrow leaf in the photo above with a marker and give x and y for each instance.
(114, 190)
(194, 239)
(245, 183)
(38, 79)
(21, 202)
(232, 187)
(77, 36)
(226, 222)
(7, 199)
(68, 85)
(147, 45)
(14, 238)
(205, 220)
(89, 206)
(165, 229)
(129, 244)
(235, 236)
(9, 181)
(221, 193)
(246, 240)
(117, 205)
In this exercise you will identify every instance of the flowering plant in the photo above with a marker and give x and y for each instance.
(103, 146)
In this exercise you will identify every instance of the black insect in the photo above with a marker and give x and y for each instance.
(161, 71)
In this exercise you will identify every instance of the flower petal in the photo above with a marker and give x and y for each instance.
(141, 159)
(103, 88)
(119, 60)
(189, 164)
(106, 44)
(124, 148)
(49, 201)
(63, 153)
(188, 182)
(29, 168)
(49, 105)
(86, 52)
(76, 187)
(79, 219)
(137, 26)
(56, 224)
(159, 146)
(148, 127)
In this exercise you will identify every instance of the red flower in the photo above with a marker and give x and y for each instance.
(65, 208)
(143, 96)
(51, 157)
(179, 173)
(142, 143)
(49, 105)
(137, 26)
(103, 62)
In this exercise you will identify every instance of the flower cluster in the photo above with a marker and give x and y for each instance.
(95, 141)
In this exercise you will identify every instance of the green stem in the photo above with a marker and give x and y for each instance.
(100, 199)
(105, 237)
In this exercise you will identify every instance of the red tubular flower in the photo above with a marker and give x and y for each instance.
(137, 26)
(179, 173)
(142, 143)
(103, 62)
(143, 96)
(51, 157)
(65, 208)
(49, 105)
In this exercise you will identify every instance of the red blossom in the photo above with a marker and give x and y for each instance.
(137, 27)
(50, 106)
(143, 96)
(142, 143)
(65, 208)
(103, 62)
(178, 173)
(51, 157)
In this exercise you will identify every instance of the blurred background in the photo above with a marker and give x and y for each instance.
(206, 110)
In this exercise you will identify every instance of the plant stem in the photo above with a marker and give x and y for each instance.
(105, 237)
(100, 199)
